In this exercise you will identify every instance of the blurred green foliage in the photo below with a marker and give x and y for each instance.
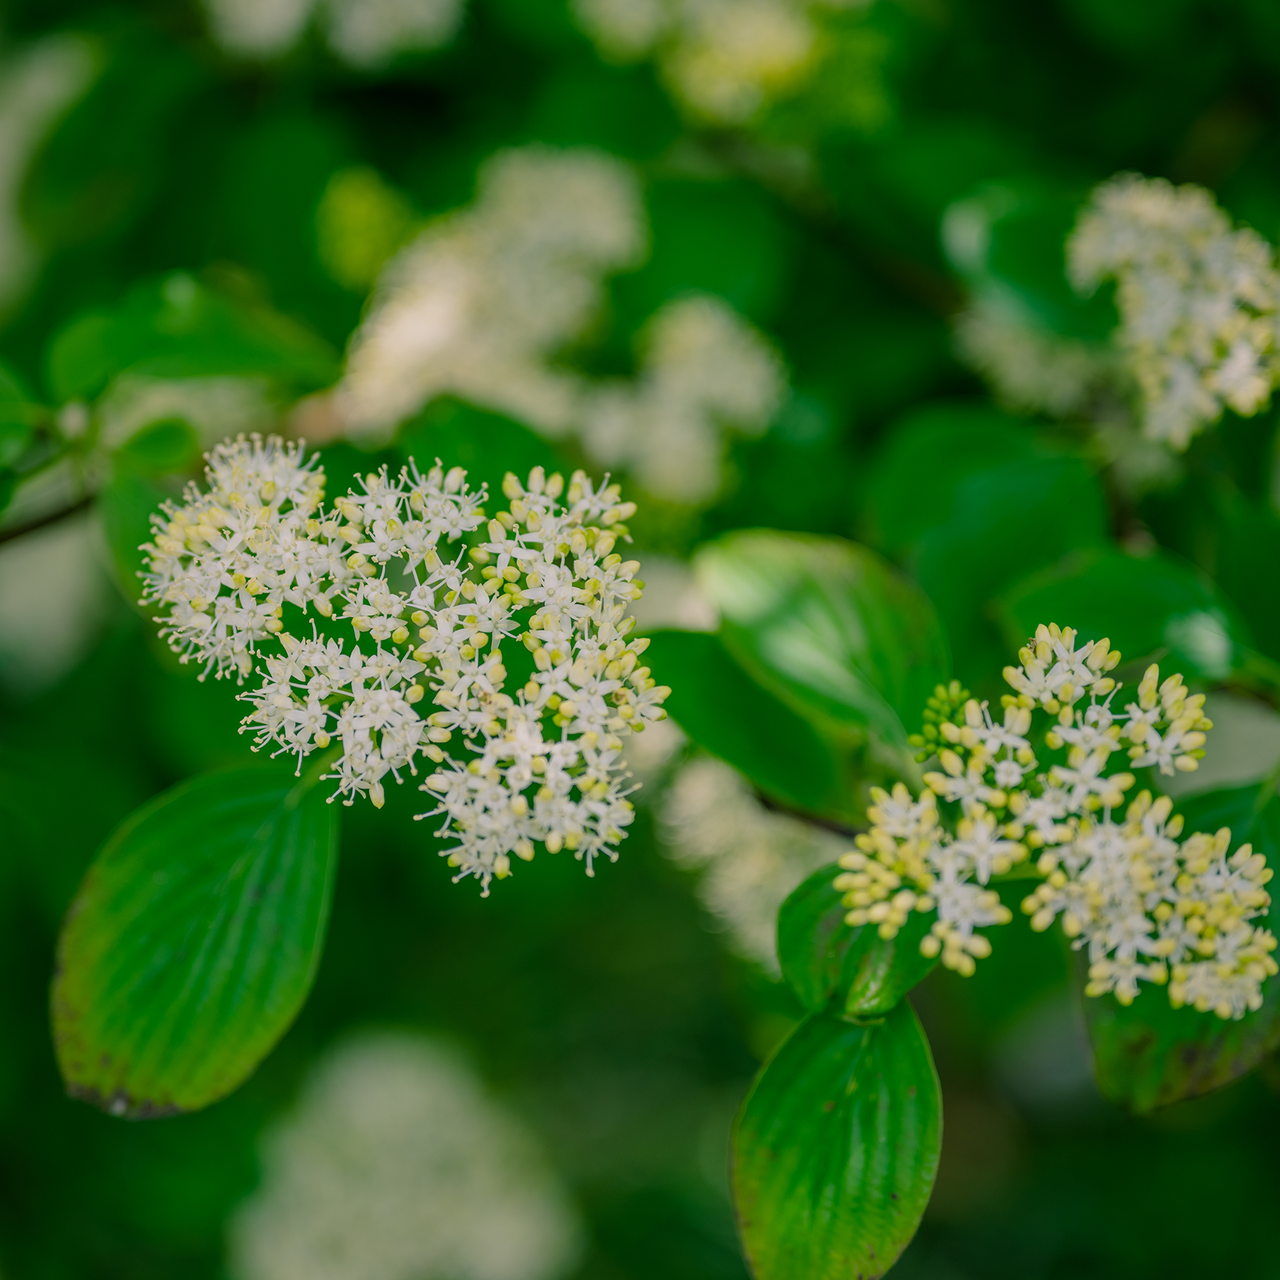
(183, 213)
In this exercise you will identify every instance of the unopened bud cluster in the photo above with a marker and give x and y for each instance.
(1146, 907)
(376, 625)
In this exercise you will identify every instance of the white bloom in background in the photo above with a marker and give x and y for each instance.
(1146, 907)
(750, 857)
(704, 369)
(478, 304)
(215, 407)
(1198, 300)
(54, 597)
(724, 59)
(673, 598)
(624, 30)
(368, 33)
(258, 28)
(1029, 369)
(363, 33)
(399, 609)
(730, 57)
(36, 87)
(397, 1165)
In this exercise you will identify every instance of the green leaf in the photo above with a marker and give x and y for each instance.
(193, 942)
(162, 447)
(823, 959)
(126, 504)
(1247, 566)
(1006, 523)
(179, 328)
(81, 361)
(1008, 239)
(1148, 607)
(487, 444)
(830, 624)
(1148, 1054)
(836, 1149)
(17, 418)
(727, 713)
(927, 456)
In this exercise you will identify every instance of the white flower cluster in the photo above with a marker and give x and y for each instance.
(481, 302)
(363, 33)
(396, 1164)
(1198, 300)
(703, 370)
(399, 616)
(750, 857)
(1147, 908)
(724, 59)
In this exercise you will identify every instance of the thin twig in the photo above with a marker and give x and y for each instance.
(43, 522)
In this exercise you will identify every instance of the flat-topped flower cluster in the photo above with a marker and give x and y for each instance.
(1199, 300)
(1147, 908)
(412, 593)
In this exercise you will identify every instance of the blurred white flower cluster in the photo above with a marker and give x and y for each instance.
(1198, 300)
(702, 367)
(396, 1165)
(363, 33)
(1029, 369)
(750, 857)
(724, 59)
(1147, 908)
(480, 303)
(36, 87)
(399, 615)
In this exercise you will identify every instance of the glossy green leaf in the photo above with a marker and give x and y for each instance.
(125, 506)
(1005, 523)
(823, 959)
(1148, 607)
(836, 1149)
(727, 713)
(1247, 566)
(925, 459)
(162, 447)
(1147, 1054)
(193, 942)
(81, 361)
(179, 328)
(830, 624)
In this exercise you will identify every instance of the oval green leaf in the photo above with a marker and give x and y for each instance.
(1148, 607)
(927, 455)
(179, 328)
(831, 624)
(729, 714)
(193, 942)
(1006, 522)
(824, 959)
(836, 1149)
(1148, 1055)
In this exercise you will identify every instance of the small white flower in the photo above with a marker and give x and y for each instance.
(542, 765)
(1198, 300)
